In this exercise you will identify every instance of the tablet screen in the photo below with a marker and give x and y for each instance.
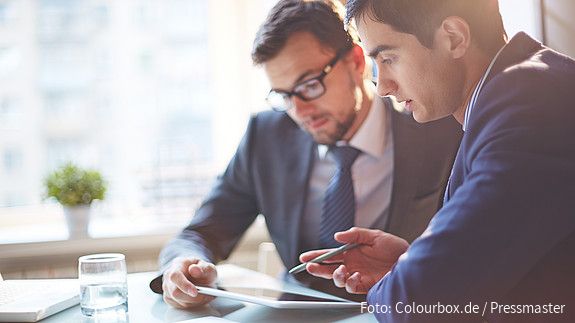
(276, 295)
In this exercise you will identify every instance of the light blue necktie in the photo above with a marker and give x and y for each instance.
(338, 212)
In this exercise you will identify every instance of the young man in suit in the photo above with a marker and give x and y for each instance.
(505, 237)
(336, 155)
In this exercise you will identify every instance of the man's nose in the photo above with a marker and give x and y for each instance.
(300, 106)
(385, 86)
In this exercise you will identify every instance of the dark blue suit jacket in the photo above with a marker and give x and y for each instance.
(507, 231)
(269, 175)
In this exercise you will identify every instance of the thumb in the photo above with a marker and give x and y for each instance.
(204, 272)
(357, 235)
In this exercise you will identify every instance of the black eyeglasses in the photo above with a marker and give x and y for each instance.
(307, 90)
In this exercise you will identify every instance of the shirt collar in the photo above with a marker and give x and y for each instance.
(374, 126)
(478, 88)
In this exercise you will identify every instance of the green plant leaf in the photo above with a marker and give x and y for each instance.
(71, 185)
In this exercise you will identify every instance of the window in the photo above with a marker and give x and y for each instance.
(10, 114)
(12, 160)
(521, 15)
(7, 12)
(3, 14)
(10, 58)
(155, 94)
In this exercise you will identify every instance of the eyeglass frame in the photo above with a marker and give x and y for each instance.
(287, 95)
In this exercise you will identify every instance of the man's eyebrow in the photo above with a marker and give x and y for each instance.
(296, 82)
(374, 52)
(303, 76)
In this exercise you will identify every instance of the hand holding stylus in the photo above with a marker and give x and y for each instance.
(358, 269)
(319, 259)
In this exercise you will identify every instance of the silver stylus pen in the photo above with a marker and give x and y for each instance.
(301, 267)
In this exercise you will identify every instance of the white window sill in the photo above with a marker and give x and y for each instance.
(47, 248)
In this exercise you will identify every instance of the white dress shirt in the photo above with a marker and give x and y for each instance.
(372, 174)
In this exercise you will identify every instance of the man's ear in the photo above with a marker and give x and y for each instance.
(356, 58)
(455, 36)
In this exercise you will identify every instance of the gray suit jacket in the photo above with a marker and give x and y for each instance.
(269, 175)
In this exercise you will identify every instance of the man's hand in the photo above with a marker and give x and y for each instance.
(358, 269)
(180, 280)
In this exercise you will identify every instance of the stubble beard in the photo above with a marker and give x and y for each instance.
(324, 137)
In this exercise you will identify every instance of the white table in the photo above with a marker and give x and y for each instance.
(147, 307)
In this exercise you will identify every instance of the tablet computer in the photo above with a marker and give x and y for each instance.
(276, 298)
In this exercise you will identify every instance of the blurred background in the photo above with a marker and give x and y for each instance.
(154, 94)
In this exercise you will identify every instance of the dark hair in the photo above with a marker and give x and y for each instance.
(421, 18)
(321, 18)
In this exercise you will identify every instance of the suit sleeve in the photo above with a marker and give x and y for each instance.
(223, 217)
(514, 207)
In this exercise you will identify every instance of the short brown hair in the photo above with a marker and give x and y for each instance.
(421, 18)
(321, 18)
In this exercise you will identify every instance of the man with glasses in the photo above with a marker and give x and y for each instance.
(334, 156)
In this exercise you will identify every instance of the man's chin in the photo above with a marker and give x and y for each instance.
(418, 117)
(422, 117)
(426, 117)
(326, 135)
(323, 141)
(323, 138)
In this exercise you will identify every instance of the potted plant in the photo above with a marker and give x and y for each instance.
(75, 188)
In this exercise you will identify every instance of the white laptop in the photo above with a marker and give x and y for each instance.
(31, 300)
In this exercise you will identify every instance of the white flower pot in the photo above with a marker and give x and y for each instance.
(78, 220)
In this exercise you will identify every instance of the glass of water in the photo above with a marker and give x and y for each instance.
(103, 285)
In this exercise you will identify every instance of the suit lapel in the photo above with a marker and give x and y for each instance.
(300, 155)
(406, 167)
(456, 175)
